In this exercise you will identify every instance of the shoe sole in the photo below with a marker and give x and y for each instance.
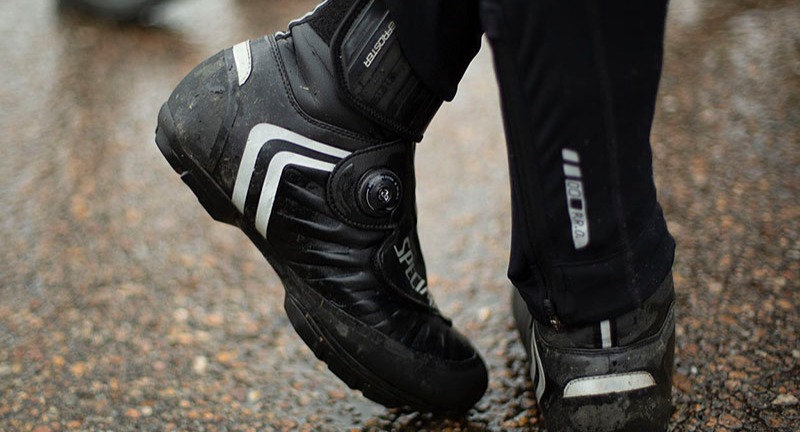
(306, 309)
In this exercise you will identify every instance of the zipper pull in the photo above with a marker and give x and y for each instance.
(551, 314)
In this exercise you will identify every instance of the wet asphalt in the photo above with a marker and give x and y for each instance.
(124, 307)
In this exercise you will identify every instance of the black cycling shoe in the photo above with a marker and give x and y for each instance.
(613, 376)
(115, 10)
(305, 140)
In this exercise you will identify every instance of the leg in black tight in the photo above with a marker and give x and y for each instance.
(578, 82)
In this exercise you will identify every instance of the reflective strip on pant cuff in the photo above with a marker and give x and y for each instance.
(607, 384)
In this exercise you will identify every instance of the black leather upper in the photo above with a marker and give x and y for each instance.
(369, 265)
(272, 137)
(642, 343)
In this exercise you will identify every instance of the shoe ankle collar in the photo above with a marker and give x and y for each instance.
(374, 75)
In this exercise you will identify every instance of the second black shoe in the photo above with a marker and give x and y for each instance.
(615, 375)
(305, 140)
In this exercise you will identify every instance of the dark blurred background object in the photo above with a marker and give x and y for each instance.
(124, 11)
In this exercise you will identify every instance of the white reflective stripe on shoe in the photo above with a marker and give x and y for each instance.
(272, 180)
(605, 334)
(294, 22)
(608, 384)
(244, 61)
(260, 135)
(537, 370)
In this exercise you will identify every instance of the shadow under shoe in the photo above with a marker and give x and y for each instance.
(323, 184)
(612, 376)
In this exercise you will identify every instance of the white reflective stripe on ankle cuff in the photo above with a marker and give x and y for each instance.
(605, 334)
(608, 384)
(537, 370)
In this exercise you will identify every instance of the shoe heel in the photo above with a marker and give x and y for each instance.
(208, 193)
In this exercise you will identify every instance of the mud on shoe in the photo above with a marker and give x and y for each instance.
(305, 140)
(612, 376)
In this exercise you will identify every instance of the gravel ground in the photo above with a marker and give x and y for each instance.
(124, 307)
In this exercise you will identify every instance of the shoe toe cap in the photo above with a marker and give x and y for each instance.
(431, 361)
(459, 377)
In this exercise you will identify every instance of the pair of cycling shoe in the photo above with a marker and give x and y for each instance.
(305, 140)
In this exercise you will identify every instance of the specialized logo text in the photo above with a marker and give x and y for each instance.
(576, 199)
(405, 256)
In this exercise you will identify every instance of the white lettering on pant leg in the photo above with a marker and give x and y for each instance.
(576, 199)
